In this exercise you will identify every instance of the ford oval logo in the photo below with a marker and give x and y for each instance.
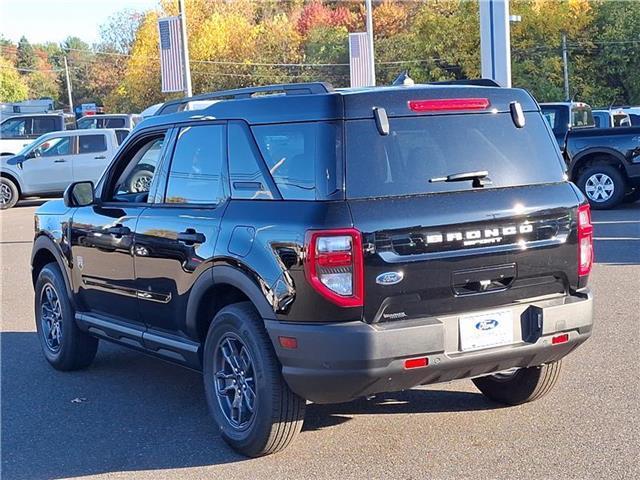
(487, 324)
(389, 278)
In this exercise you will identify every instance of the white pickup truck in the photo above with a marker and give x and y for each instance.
(53, 161)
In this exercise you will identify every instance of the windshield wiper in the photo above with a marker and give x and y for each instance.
(479, 178)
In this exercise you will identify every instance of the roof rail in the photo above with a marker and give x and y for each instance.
(308, 88)
(481, 82)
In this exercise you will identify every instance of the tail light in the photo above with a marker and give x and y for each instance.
(449, 104)
(333, 265)
(585, 240)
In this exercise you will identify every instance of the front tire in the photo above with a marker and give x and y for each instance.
(9, 194)
(520, 386)
(253, 406)
(64, 345)
(603, 185)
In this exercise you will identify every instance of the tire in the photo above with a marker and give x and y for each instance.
(9, 194)
(277, 414)
(521, 386)
(633, 196)
(603, 185)
(140, 181)
(64, 345)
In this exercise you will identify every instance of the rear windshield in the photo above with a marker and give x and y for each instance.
(422, 148)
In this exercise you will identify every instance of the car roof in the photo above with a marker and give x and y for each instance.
(109, 115)
(80, 131)
(347, 103)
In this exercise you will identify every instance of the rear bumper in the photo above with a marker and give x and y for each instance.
(341, 361)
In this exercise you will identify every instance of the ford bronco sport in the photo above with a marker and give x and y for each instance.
(298, 243)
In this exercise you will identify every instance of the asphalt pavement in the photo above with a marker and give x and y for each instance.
(132, 416)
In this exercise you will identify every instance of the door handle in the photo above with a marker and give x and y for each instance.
(118, 230)
(99, 157)
(191, 237)
(60, 161)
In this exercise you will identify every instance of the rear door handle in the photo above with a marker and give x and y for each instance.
(60, 161)
(191, 237)
(118, 230)
(100, 157)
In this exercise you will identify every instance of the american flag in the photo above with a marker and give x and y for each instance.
(171, 66)
(360, 60)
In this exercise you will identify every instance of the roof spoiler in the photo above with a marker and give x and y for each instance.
(308, 88)
(480, 82)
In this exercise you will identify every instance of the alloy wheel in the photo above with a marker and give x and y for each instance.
(599, 187)
(6, 195)
(235, 381)
(51, 318)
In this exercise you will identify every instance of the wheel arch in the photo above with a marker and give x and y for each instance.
(14, 178)
(216, 288)
(592, 156)
(45, 251)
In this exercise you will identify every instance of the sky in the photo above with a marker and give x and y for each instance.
(54, 20)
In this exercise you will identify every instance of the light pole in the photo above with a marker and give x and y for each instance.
(370, 39)
(185, 50)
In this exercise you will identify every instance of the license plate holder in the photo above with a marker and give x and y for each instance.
(485, 330)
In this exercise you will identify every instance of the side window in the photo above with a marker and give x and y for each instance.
(113, 122)
(195, 175)
(245, 175)
(134, 179)
(302, 157)
(42, 125)
(92, 144)
(15, 128)
(53, 147)
(121, 135)
(87, 123)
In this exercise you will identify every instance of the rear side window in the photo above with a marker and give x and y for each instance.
(247, 180)
(114, 123)
(195, 176)
(92, 143)
(15, 128)
(121, 135)
(422, 148)
(42, 125)
(301, 157)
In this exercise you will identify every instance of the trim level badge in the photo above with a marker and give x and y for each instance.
(389, 278)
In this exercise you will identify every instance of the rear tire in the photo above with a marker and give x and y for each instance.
(9, 194)
(603, 185)
(522, 386)
(64, 345)
(237, 338)
(632, 196)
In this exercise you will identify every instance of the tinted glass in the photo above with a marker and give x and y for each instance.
(92, 143)
(121, 135)
(581, 117)
(600, 120)
(196, 166)
(246, 177)
(137, 176)
(302, 157)
(422, 148)
(42, 125)
(557, 116)
(53, 147)
(87, 123)
(113, 122)
(15, 128)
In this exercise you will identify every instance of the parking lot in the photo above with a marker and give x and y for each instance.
(131, 416)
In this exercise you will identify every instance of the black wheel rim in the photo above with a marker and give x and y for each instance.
(235, 382)
(6, 195)
(51, 318)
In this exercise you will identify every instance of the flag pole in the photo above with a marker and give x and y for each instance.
(370, 40)
(185, 50)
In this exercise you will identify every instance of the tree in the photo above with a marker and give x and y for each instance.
(26, 57)
(12, 86)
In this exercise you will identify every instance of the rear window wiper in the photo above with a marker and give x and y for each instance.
(479, 178)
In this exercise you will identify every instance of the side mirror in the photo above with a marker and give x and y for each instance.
(31, 154)
(79, 194)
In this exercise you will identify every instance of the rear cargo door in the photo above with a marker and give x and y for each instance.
(434, 247)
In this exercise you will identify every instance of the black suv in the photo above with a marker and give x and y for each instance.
(296, 242)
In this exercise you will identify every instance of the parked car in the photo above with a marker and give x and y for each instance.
(55, 160)
(603, 162)
(611, 118)
(111, 120)
(18, 131)
(323, 245)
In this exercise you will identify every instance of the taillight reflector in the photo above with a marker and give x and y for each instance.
(585, 240)
(447, 104)
(564, 338)
(334, 265)
(416, 362)
(290, 343)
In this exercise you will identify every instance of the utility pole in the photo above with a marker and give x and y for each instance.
(565, 62)
(370, 39)
(66, 73)
(185, 50)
